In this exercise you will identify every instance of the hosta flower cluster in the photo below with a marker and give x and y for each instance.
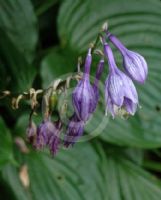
(119, 89)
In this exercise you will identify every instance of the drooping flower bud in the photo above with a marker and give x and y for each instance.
(31, 132)
(83, 94)
(96, 83)
(44, 132)
(55, 140)
(120, 92)
(74, 131)
(134, 64)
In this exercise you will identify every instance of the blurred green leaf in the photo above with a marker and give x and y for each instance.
(57, 64)
(138, 26)
(11, 177)
(70, 173)
(18, 21)
(126, 180)
(4, 79)
(44, 6)
(22, 73)
(67, 176)
(131, 132)
(152, 165)
(6, 151)
(134, 22)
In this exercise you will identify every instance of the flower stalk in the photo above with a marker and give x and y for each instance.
(120, 94)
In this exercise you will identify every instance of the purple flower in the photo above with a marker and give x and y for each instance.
(31, 132)
(134, 64)
(120, 92)
(96, 83)
(44, 132)
(83, 95)
(74, 131)
(55, 140)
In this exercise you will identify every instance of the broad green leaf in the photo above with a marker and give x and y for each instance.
(22, 73)
(11, 176)
(67, 176)
(6, 151)
(18, 21)
(128, 181)
(57, 64)
(138, 25)
(132, 19)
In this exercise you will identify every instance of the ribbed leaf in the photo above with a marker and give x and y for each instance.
(129, 182)
(6, 151)
(57, 64)
(18, 21)
(20, 73)
(68, 176)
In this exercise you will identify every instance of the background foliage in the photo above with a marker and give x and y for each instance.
(41, 40)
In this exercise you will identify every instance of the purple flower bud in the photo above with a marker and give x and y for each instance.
(31, 132)
(120, 92)
(83, 94)
(44, 132)
(96, 83)
(55, 140)
(74, 131)
(134, 64)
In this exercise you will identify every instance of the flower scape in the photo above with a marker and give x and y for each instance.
(120, 94)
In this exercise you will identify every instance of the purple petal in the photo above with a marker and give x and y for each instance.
(135, 66)
(44, 132)
(88, 62)
(74, 131)
(116, 89)
(55, 140)
(130, 106)
(129, 88)
(83, 99)
(118, 44)
(109, 104)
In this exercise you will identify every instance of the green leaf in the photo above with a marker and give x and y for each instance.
(57, 64)
(6, 150)
(44, 6)
(22, 73)
(67, 176)
(131, 19)
(126, 180)
(11, 177)
(18, 21)
(138, 26)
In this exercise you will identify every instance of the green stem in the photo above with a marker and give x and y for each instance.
(96, 42)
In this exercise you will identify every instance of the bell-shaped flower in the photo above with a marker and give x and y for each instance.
(120, 92)
(96, 83)
(55, 140)
(74, 131)
(83, 94)
(44, 132)
(134, 64)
